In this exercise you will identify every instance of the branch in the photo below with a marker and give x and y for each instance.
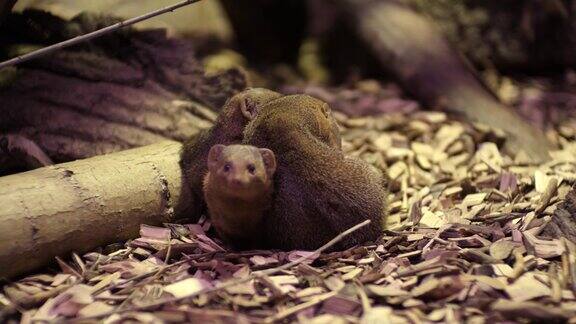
(231, 283)
(287, 312)
(321, 249)
(94, 34)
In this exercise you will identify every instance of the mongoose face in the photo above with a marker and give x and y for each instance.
(228, 129)
(241, 171)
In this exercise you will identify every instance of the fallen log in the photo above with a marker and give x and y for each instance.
(80, 205)
(414, 50)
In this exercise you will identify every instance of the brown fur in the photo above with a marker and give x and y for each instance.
(238, 190)
(318, 192)
(228, 129)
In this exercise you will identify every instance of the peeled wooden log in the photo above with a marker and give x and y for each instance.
(80, 205)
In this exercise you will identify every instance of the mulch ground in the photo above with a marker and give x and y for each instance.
(466, 240)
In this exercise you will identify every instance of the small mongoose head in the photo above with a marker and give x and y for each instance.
(242, 108)
(241, 171)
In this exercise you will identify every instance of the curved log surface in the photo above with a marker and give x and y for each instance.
(84, 204)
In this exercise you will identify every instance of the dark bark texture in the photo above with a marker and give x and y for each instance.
(538, 36)
(124, 90)
(563, 222)
(510, 36)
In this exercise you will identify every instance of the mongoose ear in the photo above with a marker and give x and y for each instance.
(252, 99)
(248, 107)
(269, 160)
(325, 110)
(214, 155)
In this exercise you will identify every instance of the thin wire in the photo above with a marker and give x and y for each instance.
(94, 34)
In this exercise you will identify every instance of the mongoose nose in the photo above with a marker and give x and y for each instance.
(239, 182)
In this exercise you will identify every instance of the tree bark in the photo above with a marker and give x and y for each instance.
(563, 222)
(123, 90)
(80, 205)
(512, 36)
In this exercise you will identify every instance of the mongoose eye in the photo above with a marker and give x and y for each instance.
(251, 168)
(227, 167)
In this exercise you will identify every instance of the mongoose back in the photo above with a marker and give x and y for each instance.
(318, 192)
(238, 191)
(227, 129)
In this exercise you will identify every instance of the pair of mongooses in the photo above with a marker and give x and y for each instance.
(227, 129)
(315, 192)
